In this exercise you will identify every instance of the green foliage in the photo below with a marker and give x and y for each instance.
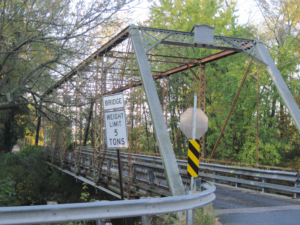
(85, 194)
(30, 150)
(14, 125)
(6, 159)
(7, 191)
(277, 134)
(203, 216)
(293, 163)
(34, 182)
(25, 179)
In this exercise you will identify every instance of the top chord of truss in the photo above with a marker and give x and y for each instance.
(153, 37)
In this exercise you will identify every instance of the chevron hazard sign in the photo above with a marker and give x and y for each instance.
(193, 158)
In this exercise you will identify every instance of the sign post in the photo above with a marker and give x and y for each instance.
(193, 123)
(192, 153)
(115, 128)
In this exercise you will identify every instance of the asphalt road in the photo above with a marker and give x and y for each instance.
(240, 207)
(15, 148)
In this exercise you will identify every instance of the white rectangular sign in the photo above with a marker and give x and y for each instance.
(116, 129)
(113, 101)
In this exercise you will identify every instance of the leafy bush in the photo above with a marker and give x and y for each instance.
(30, 150)
(203, 216)
(7, 191)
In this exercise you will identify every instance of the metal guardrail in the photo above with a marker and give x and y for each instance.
(143, 180)
(105, 210)
(266, 181)
(277, 182)
(150, 167)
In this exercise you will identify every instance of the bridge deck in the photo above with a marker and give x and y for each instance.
(235, 206)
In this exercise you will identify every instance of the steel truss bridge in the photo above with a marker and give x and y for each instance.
(138, 61)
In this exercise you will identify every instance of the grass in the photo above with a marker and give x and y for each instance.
(203, 216)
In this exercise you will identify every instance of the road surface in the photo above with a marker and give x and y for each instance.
(240, 207)
(15, 148)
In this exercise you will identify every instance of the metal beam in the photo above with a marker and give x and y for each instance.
(38, 214)
(232, 107)
(282, 88)
(38, 131)
(161, 131)
(119, 38)
(88, 124)
(175, 70)
(200, 46)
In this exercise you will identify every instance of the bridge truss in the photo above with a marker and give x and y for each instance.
(139, 62)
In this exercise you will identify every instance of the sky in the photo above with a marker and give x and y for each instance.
(247, 11)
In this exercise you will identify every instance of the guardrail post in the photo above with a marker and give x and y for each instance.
(214, 179)
(102, 221)
(51, 203)
(91, 160)
(190, 214)
(108, 165)
(296, 195)
(151, 176)
(237, 184)
(264, 190)
(133, 169)
(146, 219)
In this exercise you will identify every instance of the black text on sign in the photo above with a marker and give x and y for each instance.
(116, 132)
(114, 101)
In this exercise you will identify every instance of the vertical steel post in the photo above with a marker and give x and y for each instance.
(98, 222)
(257, 114)
(146, 220)
(190, 214)
(51, 203)
(121, 181)
(201, 101)
(282, 88)
(231, 108)
(120, 175)
(38, 131)
(161, 131)
(194, 131)
(88, 124)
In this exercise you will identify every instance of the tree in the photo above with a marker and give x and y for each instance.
(183, 15)
(41, 40)
(281, 32)
(223, 78)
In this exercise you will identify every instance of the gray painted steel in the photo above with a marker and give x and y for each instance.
(221, 173)
(162, 134)
(104, 210)
(150, 178)
(259, 173)
(279, 82)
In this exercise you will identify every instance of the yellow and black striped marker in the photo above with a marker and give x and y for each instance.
(193, 158)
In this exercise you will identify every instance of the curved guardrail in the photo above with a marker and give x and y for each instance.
(105, 210)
